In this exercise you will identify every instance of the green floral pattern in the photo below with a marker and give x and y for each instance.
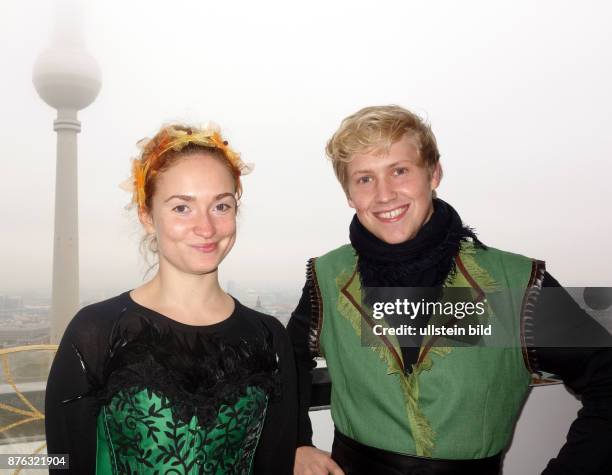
(142, 435)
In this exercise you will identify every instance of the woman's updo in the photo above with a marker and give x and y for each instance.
(170, 144)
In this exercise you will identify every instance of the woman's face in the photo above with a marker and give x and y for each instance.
(193, 214)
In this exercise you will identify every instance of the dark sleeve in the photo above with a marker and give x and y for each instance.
(299, 331)
(276, 448)
(587, 371)
(71, 426)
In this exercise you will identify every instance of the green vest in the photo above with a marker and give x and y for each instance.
(458, 402)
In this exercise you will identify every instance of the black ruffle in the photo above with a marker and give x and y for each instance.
(196, 375)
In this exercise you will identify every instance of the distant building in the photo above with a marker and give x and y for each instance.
(12, 303)
(10, 337)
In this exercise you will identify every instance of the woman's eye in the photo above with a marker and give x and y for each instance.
(181, 209)
(222, 207)
(364, 179)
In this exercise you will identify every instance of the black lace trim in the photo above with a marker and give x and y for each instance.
(527, 317)
(196, 376)
(316, 312)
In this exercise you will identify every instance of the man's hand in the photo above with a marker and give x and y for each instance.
(312, 461)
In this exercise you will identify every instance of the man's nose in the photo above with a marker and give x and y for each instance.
(384, 190)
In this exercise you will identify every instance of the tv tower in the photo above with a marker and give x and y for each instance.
(68, 79)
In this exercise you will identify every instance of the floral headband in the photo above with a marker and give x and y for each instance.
(175, 138)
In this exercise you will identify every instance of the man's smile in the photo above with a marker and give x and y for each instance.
(393, 215)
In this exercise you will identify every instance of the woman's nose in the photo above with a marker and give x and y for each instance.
(204, 226)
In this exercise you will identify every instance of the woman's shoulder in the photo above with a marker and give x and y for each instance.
(96, 316)
(269, 321)
(273, 327)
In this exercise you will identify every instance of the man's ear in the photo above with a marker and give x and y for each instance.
(350, 201)
(436, 176)
(147, 221)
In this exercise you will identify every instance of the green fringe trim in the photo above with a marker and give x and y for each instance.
(468, 256)
(422, 432)
(345, 307)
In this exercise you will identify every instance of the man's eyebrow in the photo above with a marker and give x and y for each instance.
(392, 165)
(358, 172)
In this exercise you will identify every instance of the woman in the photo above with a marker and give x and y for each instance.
(176, 376)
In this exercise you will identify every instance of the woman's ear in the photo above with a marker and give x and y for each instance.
(146, 220)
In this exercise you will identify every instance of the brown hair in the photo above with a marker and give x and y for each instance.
(376, 128)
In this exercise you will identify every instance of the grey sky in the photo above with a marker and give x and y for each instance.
(517, 93)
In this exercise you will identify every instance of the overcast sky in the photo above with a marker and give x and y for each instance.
(518, 94)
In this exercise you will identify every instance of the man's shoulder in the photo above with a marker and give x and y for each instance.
(494, 253)
(341, 252)
(502, 262)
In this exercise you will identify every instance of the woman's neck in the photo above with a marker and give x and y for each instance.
(187, 298)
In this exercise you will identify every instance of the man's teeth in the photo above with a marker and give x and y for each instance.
(393, 213)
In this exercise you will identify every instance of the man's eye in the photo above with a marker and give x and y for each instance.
(400, 171)
(364, 179)
(181, 209)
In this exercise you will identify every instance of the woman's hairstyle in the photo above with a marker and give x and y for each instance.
(171, 143)
(375, 129)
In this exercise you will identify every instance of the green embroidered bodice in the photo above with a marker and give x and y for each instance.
(138, 433)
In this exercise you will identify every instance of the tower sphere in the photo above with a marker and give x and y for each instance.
(67, 78)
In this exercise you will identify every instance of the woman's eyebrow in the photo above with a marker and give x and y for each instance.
(192, 198)
(181, 197)
(223, 195)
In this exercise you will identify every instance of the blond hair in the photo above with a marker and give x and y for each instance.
(375, 129)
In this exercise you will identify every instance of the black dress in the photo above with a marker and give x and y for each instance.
(133, 391)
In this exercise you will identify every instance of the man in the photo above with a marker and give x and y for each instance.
(406, 408)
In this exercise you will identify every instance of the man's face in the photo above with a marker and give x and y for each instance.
(392, 192)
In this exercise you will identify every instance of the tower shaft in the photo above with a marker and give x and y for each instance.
(65, 287)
